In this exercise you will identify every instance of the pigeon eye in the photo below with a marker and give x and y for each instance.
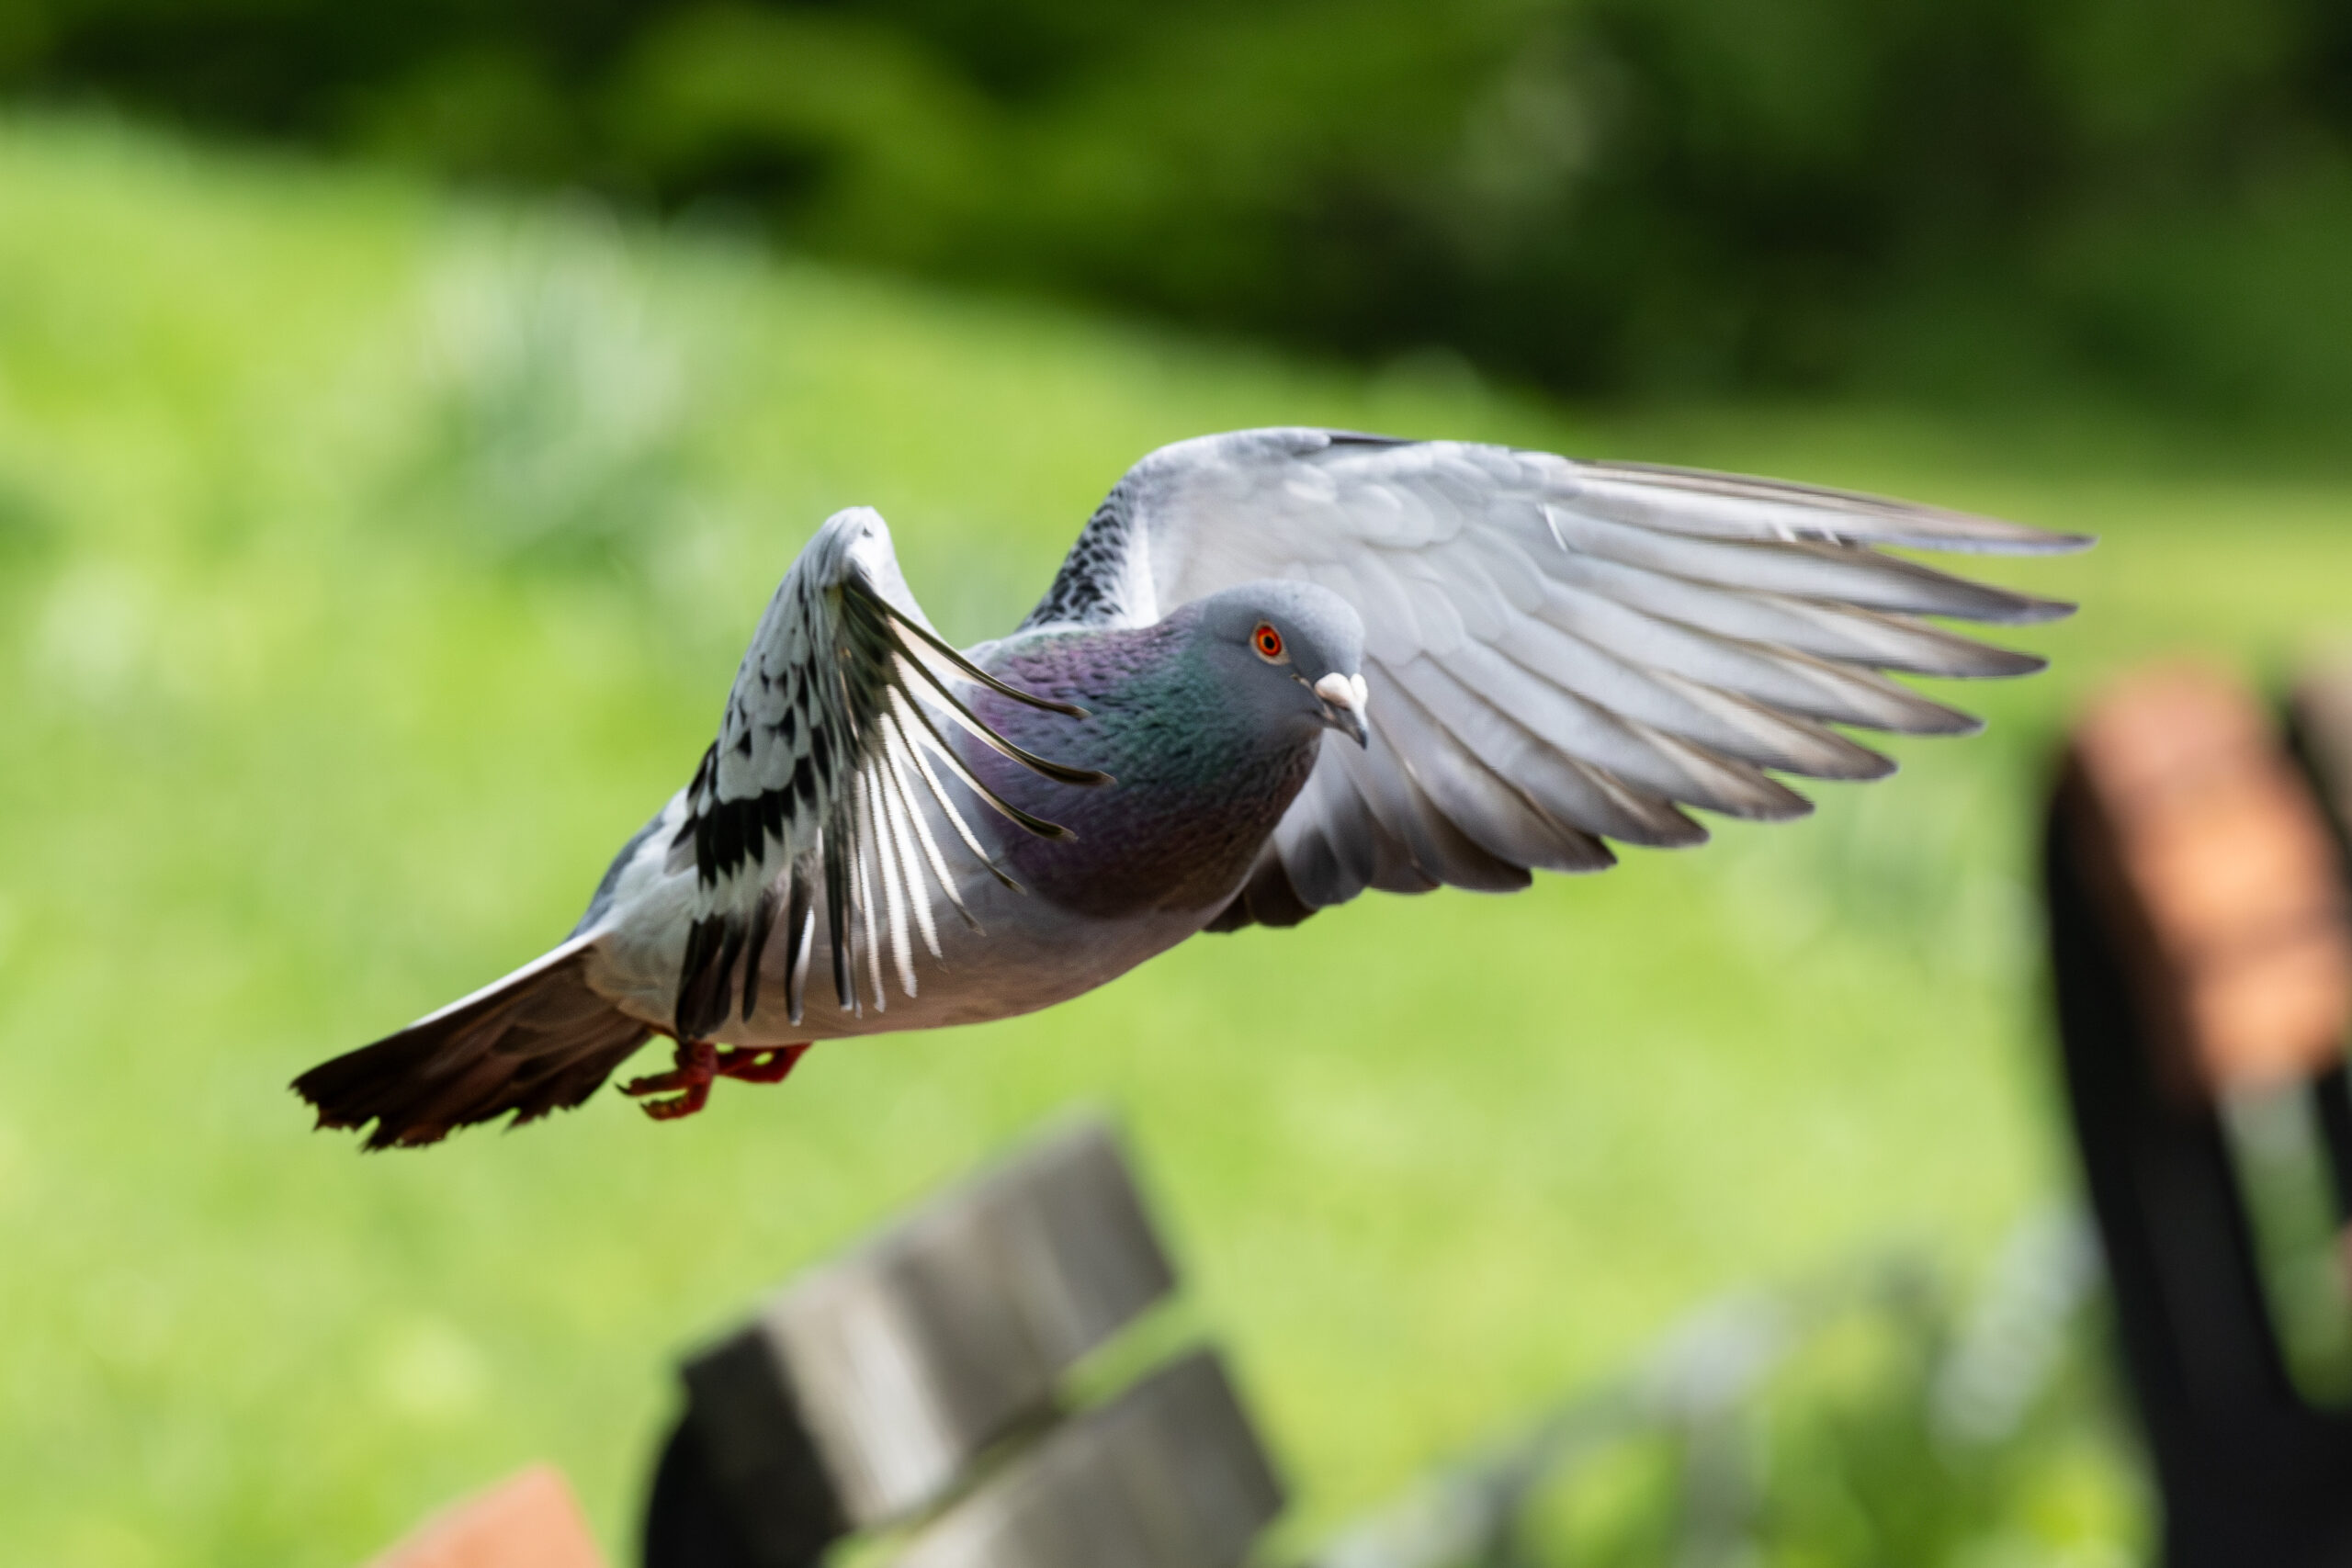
(1269, 643)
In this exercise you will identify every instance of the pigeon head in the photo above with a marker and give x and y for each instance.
(1290, 651)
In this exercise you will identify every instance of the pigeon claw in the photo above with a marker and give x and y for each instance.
(685, 1087)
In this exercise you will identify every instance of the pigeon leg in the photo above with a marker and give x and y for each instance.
(768, 1064)
(698, 1064)
(695, 1062)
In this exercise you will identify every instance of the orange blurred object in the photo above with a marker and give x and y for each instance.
(529, 1521)
(2218, 871)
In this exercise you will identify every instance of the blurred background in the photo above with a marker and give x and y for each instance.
(1607, 197)
(405, 410)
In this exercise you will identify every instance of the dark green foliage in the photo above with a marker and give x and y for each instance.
(1661, 195)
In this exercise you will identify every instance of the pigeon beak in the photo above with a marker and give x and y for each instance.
(1344, 699)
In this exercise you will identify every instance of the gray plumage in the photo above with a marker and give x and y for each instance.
(1278, 668)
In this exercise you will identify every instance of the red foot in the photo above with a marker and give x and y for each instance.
(766, 1063)
(698, 1062)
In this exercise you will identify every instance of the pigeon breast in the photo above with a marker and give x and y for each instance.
(1198, 782)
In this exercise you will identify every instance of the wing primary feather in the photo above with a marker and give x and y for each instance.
(1735, 506)
(1580, 793)
(1435, 843)
(722, 977)
(1619, 613)
(891, 869)
(837, 915)
(1826, 754)
(800, 937)
(1850, 574)
(906, 824)
(1718, 720)
(703, 989)
(1036, 824)
(861, 851)
(762, 922)
(917, 898)
(900, 705)
(895, 741)
(1061, 773)
(896, 623)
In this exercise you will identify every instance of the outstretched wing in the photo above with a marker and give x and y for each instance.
(809, 800)
(1559, 653)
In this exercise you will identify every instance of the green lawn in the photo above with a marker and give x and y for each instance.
(372, 563)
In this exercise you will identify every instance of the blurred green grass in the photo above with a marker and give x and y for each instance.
(372, 563)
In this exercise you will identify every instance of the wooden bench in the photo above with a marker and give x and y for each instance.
(2203, 966)
(917, 1391)
(918, 1387)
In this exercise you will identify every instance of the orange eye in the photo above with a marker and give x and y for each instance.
(1268, 642)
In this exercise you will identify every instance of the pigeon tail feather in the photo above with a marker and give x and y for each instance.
(537, 1041)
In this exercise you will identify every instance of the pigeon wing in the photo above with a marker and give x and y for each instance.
(1558, 652)
(810, 804)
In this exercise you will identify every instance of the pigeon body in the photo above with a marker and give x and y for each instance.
(1278, 668)
(1201, 753)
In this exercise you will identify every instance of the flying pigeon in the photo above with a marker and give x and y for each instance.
(1278, 668)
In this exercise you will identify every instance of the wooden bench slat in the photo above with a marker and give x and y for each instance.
(2209, 853)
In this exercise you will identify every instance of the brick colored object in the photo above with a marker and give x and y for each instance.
(529, 1521)
(2208, 857)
